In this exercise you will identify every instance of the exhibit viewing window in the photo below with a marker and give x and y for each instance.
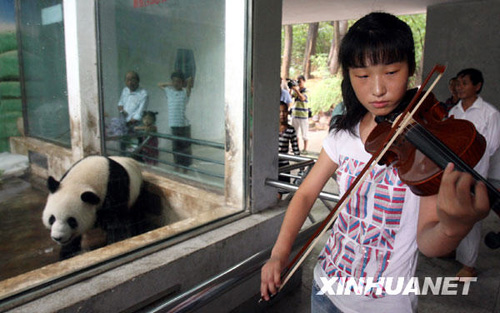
(162, 70)
(43, 74)
(170, 86)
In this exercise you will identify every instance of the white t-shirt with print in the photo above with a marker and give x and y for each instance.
(374, 236)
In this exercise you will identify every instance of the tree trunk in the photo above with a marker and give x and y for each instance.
(332, 45)
(287, 52)
(310, 48)
(340, 29)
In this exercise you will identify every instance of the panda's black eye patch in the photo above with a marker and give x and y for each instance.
(72, 222)
(52, 219)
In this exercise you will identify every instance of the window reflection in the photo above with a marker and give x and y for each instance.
(43, 55)
(177, 46)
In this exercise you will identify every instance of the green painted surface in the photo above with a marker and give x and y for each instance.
(10, 91)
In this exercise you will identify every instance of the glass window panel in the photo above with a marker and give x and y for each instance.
(44, 70)
(153, 40)
(173, 53)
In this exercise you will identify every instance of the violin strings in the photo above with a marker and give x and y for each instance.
(444, 155)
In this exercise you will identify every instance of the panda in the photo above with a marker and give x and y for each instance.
(96, 191)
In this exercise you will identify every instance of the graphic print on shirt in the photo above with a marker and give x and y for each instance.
(364, 234)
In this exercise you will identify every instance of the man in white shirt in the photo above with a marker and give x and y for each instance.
(133, 101)
(486, 119)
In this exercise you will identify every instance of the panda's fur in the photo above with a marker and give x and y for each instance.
(95, 191)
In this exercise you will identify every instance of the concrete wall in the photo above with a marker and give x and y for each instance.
(462, 35)
(265, 112)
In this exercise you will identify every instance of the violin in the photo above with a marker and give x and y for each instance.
(427, 145)
(419, 141)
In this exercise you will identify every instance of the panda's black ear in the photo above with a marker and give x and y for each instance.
(52, 184)
(90, 197)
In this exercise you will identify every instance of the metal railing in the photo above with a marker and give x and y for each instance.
(136, 152)
(304, 164)
(206, 292)
(211, 289)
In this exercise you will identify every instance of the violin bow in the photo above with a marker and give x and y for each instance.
(398, 127)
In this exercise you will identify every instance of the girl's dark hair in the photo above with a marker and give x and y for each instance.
(150, 113)
(377, 38)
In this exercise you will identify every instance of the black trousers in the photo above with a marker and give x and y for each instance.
(182, 146)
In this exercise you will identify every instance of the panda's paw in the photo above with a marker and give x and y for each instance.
(94, 239)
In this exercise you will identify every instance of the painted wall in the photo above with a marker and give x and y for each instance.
(10, 90)
(463, 35)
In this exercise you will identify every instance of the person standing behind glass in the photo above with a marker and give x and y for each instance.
(177, 99)
(133, 101)
(300, 110)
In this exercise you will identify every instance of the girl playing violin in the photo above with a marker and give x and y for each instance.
(375, 238)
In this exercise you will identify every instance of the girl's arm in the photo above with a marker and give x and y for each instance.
(446, 218)
(296, 214)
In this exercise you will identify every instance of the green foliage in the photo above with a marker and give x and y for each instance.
(298, 49)
(300, 32)
(325, 34)
(417, 24)
(326, 93)
(319, 64)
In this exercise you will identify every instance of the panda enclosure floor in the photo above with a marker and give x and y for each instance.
(25, 242)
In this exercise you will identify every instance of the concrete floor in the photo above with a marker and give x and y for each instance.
(484, 295)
